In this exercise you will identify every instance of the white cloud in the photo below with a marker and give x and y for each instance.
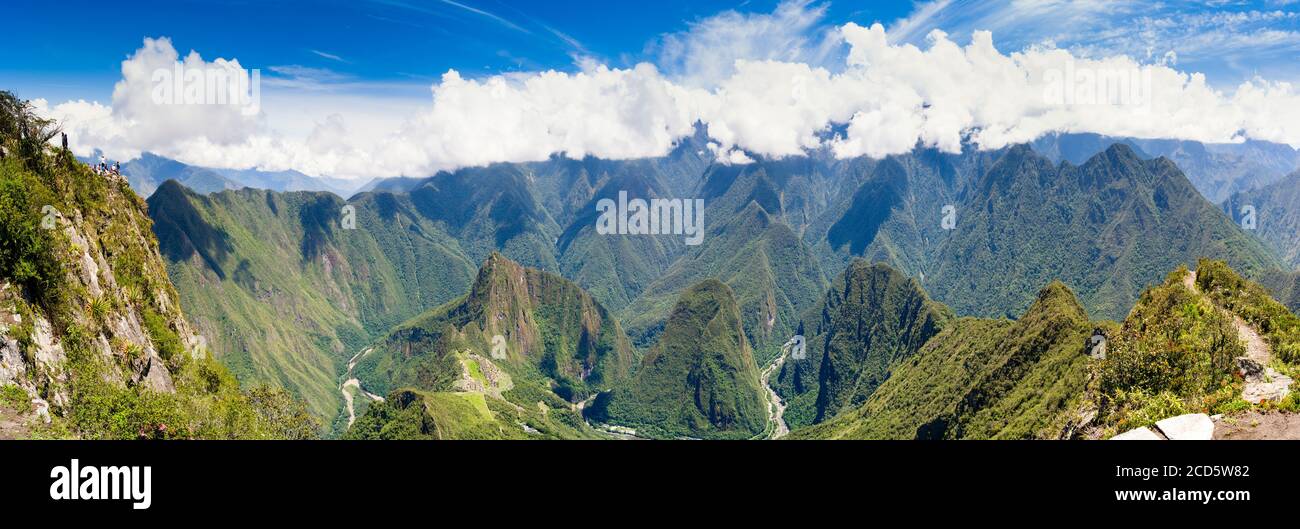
(136, 120)
(609, 113)
(889, 96)
(707, 53)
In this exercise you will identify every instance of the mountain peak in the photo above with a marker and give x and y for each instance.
(1122, 151)
(700, 380)
(1056, 297)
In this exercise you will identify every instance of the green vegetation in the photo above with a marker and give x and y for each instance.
(1252, 303)
(982, 379)
(871, 317)
(699, 380)
(286, 295)
(82, 278)
(554, 334)
(1277, 215)
(1176, 353)
(1174, 347)
(14, 398)
(559, 345)
(1108, 228)
(207, 404)
(775, 278)
(418, 415)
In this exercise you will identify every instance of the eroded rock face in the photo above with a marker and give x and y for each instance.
(38, 360)
(51, 362)
(12, 366)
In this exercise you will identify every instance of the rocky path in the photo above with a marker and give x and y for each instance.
(1262, 382)
(1256, 425)
(12, 425)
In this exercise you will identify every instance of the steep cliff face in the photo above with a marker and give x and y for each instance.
(108, 293)
(93, 342)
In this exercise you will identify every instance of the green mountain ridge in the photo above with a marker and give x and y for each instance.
(509, 360)
(1039, 377)
(551, 331)
(773, 274)
(980, 379)
(870, 318)
(285, 294)
(699, 380)
(1108, 228)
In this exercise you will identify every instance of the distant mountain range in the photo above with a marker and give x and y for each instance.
(1075, 288)
(981, 232)
(149, 171)
(1217, 170)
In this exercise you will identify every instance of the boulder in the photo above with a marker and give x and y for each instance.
(1140, 434)
(158, 378)
(1191, 427)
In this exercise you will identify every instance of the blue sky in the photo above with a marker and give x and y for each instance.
(376, 40)
(73, 48)
(365, 68)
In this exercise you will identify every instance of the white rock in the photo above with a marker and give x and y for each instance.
(42, 410)
(1191, 427)
(1140, 434)
(12, 365)
(158, 378)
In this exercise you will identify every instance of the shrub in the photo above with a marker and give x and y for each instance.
(164, 339)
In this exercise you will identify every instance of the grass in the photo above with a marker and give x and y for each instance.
(1251, 302)
(14, 398)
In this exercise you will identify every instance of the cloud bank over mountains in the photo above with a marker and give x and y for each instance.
(769, 85)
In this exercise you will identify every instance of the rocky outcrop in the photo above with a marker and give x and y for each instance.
(113, 282)
(1190, 427)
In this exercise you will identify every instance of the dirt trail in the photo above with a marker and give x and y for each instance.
(1256, 425)
(12, 425)
(1262, 381)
